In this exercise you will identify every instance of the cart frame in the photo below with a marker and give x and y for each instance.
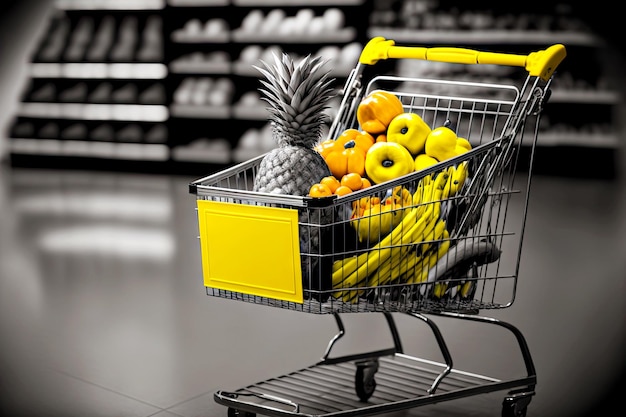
(493, 116)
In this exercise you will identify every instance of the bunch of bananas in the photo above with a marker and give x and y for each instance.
(412, 248)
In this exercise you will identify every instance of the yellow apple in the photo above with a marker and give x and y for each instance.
(388, 160)
(410, 131)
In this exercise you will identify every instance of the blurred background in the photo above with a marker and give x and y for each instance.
(168, 86)
(109, 108)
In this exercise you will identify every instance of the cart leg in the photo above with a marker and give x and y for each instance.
(394, 332)
(516, 402)
(442, 346)
(339, 335)
(397, 345)
(521, 341)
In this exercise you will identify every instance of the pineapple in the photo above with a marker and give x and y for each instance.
(298, 95)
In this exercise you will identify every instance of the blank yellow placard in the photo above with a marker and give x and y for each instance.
(251, 249)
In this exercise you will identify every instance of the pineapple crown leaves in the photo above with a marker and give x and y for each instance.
(297, 94)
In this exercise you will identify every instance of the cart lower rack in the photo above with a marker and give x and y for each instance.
(454, 252)
(371, 383)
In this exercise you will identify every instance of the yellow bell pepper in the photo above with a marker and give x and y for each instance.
(376, 111)
(346, 154)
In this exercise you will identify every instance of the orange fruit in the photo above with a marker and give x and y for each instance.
(331, 181)
(320, 190)
(343, 190)
(366, 183)
(326, 147)
(353, 181)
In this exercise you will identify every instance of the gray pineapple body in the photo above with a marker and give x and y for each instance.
(276, 171)
(274, 178)
(297, 95)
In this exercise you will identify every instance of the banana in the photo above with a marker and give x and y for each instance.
(338, 264)
(402, 195)
(462, 290)
(459, 177)
(398, 261)
(403, 257)
(451, 170)
(421, 274)
(349, 266)
(400, 236)
(384, 274)
(402, 262)
(347, 276)
(466, 289)
(376, 257)
(482, 251)
(430, 193)
(423, 188)
(412, 264)
(391, 258)
(440, 289)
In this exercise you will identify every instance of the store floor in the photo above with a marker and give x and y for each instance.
(103, 311)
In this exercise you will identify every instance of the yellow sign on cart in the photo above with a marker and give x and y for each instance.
(251, 249)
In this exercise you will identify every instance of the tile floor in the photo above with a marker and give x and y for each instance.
(103, 311)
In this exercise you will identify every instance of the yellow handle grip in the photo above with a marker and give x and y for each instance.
(540, 64)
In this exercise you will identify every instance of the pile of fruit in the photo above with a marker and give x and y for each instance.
(405, 231)
(389, 144)
(404, 234)
(411, 238)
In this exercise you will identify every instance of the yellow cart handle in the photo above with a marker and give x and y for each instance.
(540, 64)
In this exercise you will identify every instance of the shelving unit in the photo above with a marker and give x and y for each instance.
(486, 37)
(215, 110)
(579, 120)
(167, 85)
(171, 84)
(97, 90)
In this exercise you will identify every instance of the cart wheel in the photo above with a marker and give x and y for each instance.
(364, 381)
(512, 410)
(516, 406)
(233, 412)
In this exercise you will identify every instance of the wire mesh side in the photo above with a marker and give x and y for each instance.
(484, 219)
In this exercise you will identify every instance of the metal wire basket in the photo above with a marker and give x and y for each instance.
(249, 239)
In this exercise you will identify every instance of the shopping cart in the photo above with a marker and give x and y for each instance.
(470, 267)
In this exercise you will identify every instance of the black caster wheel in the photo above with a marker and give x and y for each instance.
(233, 412)
(364, 381)
(512, 410)
(516, 405)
